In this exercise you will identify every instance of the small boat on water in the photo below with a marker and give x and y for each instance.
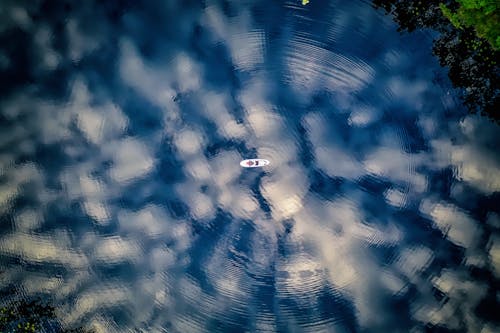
(254, 163)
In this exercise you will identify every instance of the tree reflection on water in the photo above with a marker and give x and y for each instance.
(32, 315)
(471, 60)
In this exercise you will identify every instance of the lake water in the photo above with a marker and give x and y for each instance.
(123, 202)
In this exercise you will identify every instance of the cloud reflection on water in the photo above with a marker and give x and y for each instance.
(129, 187)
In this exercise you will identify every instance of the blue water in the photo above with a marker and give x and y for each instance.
(122, 200)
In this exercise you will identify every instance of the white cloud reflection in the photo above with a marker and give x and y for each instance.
(244, 43)
(333, 243)
(132, 160)
(40, 249)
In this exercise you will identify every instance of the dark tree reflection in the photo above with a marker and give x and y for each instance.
(32, 315)
(472, 61)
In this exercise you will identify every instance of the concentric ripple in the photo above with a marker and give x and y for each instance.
(122, 200)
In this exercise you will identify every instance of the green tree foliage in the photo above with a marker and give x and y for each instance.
(481, 15)
(472, 61)
(29, 316)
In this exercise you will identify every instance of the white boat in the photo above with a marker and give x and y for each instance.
(254, 163)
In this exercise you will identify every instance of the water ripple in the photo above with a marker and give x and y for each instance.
(122, 199)
(311, 66)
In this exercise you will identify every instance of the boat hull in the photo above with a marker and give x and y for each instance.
(254, 163)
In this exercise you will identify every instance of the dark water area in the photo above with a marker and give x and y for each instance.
(122, 201)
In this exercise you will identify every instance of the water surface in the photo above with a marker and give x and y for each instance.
(122, 199)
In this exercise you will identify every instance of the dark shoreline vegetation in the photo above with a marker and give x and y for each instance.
(32, 315)
(472, 60)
